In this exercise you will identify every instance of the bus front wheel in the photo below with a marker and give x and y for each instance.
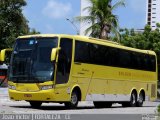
(74, 101)
(35, 104)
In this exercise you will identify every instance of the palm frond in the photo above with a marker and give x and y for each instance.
(83, 18)
(118, 4)
(101, 16)
(92, 29)
(116, 33)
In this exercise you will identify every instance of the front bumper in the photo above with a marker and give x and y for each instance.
(42, 95)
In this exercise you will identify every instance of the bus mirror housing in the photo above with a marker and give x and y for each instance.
(3, 54)
(54, 53)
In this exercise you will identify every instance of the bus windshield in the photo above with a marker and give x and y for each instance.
(30, 61)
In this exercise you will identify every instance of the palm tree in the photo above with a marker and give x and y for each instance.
(102, 19)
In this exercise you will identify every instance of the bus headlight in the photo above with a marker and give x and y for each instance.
(12, 87)
(46, 87)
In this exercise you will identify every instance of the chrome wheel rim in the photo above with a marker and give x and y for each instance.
(74, 99)
(140, 100)
(133, 99)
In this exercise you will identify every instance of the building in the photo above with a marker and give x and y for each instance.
(84, 26)
(153, 13)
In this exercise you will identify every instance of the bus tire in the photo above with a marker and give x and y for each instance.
(140, 99)
(74, 101)
(133, 99)
(132, 102)
(102, 104)
(35, 104)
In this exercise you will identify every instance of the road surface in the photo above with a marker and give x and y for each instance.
(22, 107)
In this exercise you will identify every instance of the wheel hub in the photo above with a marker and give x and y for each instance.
(74, 99)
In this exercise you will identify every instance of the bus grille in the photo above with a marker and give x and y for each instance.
(153, 90)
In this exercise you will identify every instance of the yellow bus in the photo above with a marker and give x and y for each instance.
(68, 69)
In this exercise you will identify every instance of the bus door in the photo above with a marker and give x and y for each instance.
(63, 69)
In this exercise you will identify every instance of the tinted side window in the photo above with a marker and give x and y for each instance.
(152, 63)
(105, 55)
(82, 52)
(64, 61)
(124, 58)
(113, 57)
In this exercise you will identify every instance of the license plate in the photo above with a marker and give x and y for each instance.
(27, 95)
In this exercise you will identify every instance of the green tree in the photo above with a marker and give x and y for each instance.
(102, 18)
(148, 40)
(12, 21)
(132, 39)
(33, 31)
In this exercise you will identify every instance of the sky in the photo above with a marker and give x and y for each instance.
(49, 16)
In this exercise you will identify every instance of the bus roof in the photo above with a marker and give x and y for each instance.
(91, 40)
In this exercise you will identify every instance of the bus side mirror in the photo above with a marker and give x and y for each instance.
(54, 53)
(3, 54)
